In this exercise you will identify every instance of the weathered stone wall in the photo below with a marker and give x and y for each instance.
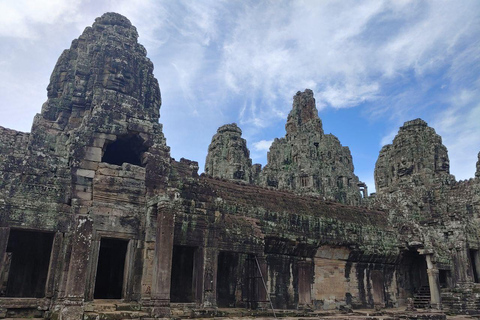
(287, 230)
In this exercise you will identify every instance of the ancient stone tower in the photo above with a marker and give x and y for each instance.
(83, 178)
(97, 221)
(228, 156)
(305, 161)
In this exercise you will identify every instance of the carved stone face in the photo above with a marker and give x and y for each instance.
(442, 164)
(405, 167)
(118, 75)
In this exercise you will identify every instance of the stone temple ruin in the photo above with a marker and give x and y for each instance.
(93, 209)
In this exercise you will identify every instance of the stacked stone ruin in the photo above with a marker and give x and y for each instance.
(93, 209)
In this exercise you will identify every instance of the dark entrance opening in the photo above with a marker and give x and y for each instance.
(475, 270)
(182, 280)
(110, 269)
(30, 258)
(416, 281)
(126, 149)
(227, 279)
(417, 270)
(443, 278)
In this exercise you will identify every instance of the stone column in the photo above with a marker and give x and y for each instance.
(434, 283)
(198, 272)
(463, 274)
(162, 261)
(72, 306)
(210, 283)
(53, 268)
(4, 233)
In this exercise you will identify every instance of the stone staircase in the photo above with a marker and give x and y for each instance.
(113, 310)
(421, 298)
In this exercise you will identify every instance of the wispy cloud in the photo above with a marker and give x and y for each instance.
(20, 18)
(262, 145)
(459, 127)
(343, 50)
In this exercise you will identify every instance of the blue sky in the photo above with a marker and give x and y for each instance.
(371, 64)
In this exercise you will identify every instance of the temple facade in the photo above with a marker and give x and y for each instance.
(97, 221)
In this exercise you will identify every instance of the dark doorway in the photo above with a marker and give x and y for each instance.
(227, 279)
(182, 281)
(443, 278)
(126, 149)
(30, 258)
(473, 256)
(416, 272)
(110, 269)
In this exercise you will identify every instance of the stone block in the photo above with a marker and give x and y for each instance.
(136, 175)
(105, 136)
(107, 172)
(99, 142)
(89, 165)
(94, 154)
(84, 195)
(85, 173)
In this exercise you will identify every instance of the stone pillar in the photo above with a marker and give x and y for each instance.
(162, 262)
(72, 306)
(4, 233)
(198, 272)
(53, 268)
(434, 283)
(463, 273)
(210, 284)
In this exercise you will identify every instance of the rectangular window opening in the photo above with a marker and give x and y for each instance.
(443, 277)
(28, 256)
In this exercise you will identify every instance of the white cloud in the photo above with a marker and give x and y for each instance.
(459, 127)
(343, 50)
(262, 145)
(20, 18)
(349, 95)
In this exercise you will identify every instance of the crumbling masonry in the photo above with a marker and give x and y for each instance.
(93, 207)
